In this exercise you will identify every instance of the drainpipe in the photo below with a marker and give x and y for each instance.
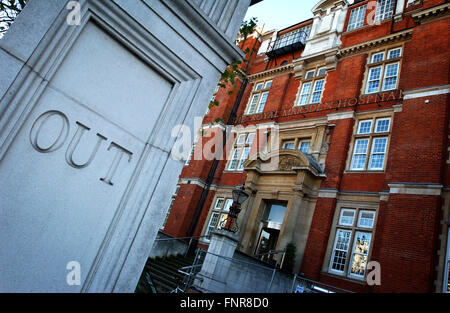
(213, 168)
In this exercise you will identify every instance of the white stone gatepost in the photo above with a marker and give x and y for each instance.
(213, 275)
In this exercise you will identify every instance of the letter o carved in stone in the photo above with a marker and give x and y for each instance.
(39, 124)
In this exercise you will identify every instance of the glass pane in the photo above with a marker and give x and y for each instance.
(360, 251)
(309, 74)
(365, 127)
(339, 257)
(253, 103)
(366, 219)
(244, 157)
(382, 125)
(276, 213)
(219, 203)
(394, 53)
(268, 84)
(258, 86)
(288, 145)
(377, 57)
(262, 102)
(222, 221)
(347, 217)
(361, 146)
(228, 204)
(304, 146)
(379, 145)
(241, 139)
(250, 138)
(212, 223)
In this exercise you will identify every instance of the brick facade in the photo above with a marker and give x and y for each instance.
(410, 233)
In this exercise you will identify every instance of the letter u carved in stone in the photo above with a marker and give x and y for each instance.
(74, 144)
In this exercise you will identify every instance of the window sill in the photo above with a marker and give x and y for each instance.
(364, 171)
(360, 281)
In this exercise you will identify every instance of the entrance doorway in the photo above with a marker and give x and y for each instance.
(271, 223)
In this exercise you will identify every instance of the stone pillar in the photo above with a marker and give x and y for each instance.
(88, 108)
(213, 275)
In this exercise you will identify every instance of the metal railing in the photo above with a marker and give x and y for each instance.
(287, 43)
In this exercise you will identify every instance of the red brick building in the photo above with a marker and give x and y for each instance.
(356, 103)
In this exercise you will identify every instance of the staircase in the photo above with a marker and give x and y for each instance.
(163, 274)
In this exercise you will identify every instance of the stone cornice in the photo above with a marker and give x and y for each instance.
(374, 43)
(431, 12)
(277, 70)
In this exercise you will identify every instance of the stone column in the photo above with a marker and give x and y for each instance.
(212, 277)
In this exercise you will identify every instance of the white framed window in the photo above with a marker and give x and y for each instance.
(356, 19)
(219, 214)
(259, 97)
(377, 57)
(340, 251)
(360, 254)
(384, 9)
(366, 218)
(259, 86)
(347, 217)
(390, 76)
(317, 92)
(303, 146)
(394, 53)
(370, 144)
(288, 144)
(373, 82)
(304, 94)
(321, 71)
(364, 127)
(360, 154)
(383, 71)
(382, 125)
(352, 242)
(268, 84)
(212, 223)
(234, 159)
(241, 139)
(378, 153)
(241, 151)
(244, 157)
(310, 74)
(227, 206)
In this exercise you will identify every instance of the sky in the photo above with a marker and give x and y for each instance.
(278, 14)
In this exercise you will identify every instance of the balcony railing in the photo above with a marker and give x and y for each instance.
(285, 44)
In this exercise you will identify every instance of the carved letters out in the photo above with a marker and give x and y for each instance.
(61, 133)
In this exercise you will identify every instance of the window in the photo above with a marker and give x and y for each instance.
(384, 10)
(350, 250)
(288, 145)
(309, 74)
(373, 139)
(241, 151)
(383, 72)
(219, 214)
(304, 146)
(296, 144)
(312, 87)
(356, 19)
(259, 97)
